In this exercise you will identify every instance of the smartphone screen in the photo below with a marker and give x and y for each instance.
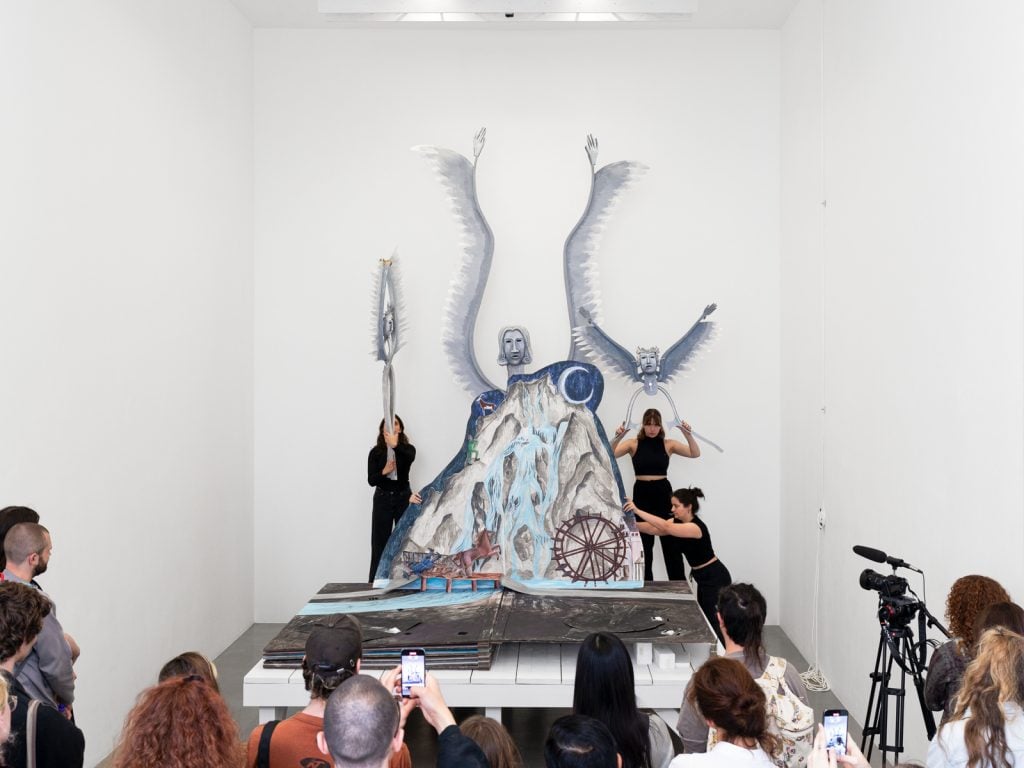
(835, 722)
(414, 669)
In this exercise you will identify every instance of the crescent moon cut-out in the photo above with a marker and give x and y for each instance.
(564, 377)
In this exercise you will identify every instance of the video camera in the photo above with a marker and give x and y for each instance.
(895, 609)
(896, 645)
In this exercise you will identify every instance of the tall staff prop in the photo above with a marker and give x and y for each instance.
(388, 330)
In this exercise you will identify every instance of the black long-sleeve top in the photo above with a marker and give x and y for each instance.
(59, 744)
(456, 750)
(405, 455)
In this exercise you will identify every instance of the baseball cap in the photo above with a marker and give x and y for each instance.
(334, 646)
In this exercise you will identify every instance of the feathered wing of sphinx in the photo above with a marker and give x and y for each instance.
(604, 351)
(388, 331)
(458, 177)
(580, 271)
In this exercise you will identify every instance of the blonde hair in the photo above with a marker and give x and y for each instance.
(991, 680)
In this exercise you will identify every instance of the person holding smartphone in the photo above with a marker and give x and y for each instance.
(334, 652)
(823, 756)
(454, 748)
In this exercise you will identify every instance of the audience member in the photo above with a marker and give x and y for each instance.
(986, 726)
(180, 723)
(736, 707)
(58, 743)
(494, 740)
(362, 724)
(1009, 615)
(741, 614)
(46, 673)
(822, 757)
(10, 517)
(578, 741)
(5, 719)
(605, 690)
(454, 749)
(967, 598)
(333, 654)
(190, 663)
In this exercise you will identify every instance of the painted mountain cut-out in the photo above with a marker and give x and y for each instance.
(534, 495)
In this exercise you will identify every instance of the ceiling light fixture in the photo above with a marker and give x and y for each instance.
(505, 11)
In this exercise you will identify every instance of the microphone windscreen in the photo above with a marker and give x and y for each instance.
(874, 555)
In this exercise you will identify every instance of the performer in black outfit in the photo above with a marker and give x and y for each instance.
(650, 451)
(690, 531)
(391, 479)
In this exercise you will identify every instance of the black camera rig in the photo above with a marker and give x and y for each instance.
(897, 607)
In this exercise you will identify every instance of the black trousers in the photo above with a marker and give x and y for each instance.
(388, 506)
(710, 580)
(655, 497)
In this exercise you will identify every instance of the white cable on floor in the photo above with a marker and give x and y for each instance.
(814, 678)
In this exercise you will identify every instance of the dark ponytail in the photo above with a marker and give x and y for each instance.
(688, 497)
(743, 609)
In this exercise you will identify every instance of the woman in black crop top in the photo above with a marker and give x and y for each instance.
(390, 477)
(690, 531)
(650, 451)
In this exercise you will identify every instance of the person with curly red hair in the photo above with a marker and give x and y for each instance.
(968, 597)
(180, 723)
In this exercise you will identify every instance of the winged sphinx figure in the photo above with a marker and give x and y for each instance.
(648, 366)
(388, 329)
(458, 177)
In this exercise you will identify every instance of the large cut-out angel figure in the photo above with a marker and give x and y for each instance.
(648, 366)
(458, 176)
(388, 330)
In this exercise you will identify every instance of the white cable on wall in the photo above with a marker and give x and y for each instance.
(814, 678)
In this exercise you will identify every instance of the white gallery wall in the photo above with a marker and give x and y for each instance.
(902, 315)
(337, 188)
(126, 327)
(191, 212)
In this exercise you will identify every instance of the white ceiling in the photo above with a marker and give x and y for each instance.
(710, 14)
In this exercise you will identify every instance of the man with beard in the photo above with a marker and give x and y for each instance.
(46, 673)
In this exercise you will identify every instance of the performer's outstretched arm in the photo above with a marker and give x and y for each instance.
(621, 447)
(648, 523)
(690, 450)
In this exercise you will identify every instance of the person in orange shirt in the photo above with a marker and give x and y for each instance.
(333, 655)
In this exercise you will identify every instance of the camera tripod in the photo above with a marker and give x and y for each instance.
(896, 644)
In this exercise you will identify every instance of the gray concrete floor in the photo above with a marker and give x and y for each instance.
(528, 727)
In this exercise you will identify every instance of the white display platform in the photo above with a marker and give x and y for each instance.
(521, 675)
